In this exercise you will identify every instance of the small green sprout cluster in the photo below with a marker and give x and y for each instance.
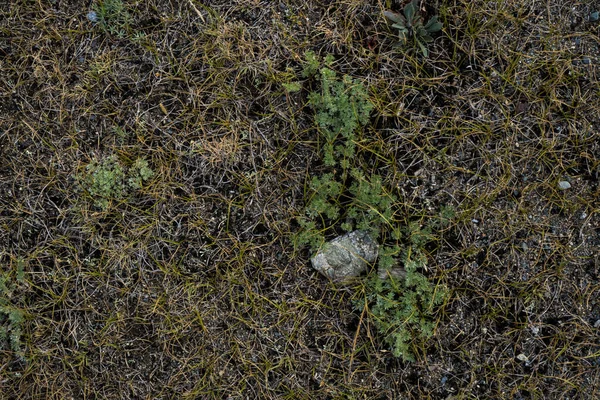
(113, 17)
(402, 309)
(341, 107)
(410, 25)
(107, 180)
(368, 207)
(11, 316)
(139, 173)
(347, 198)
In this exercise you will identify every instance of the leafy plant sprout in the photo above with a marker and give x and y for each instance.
(410, 25)
(107, 180)
(112, 16)
(403, 307)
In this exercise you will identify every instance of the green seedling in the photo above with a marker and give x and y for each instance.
(402, 308)
(341, 107)
(410, 26)
(106, 180)
(11, 316)
(113, 17)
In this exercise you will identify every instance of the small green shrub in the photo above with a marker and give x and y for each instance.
(139, 173)
(341, 107)
(113, 17)
(106, 180)
(410, 26)
(11, 316)
(402, 309)
(322, 205)
(347, 198)
(313, 64)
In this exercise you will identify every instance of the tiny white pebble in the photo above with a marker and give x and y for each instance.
(92, 16)
(535, 330)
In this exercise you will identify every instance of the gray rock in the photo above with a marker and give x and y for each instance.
(346, 256)
(564, 185)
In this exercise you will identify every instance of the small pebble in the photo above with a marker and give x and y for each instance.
(594, 16)
(92, 16)
(564, 185)
(535, 330)
(586, 61)
(597, 324)
(522, 357)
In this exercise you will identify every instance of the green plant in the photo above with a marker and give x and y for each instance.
(341, 107)
(312, 64)
(348, 198)
(410, 25)
(112, 16)
(107, 180)
(402, 308)
(11, 316)
(139, 173)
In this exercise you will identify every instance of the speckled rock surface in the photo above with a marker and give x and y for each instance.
(346, 256)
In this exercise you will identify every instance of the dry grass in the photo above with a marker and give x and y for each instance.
(190, 288)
